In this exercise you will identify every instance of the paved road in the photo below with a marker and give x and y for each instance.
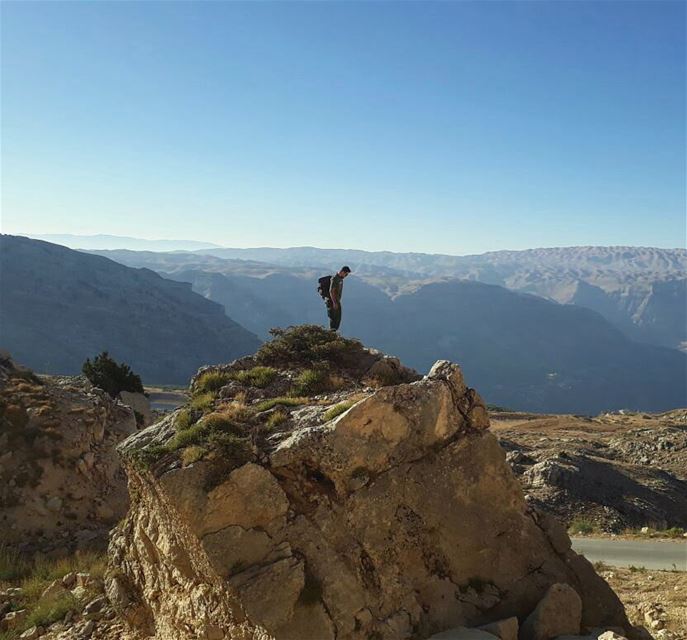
(651, 554)
(166, 400)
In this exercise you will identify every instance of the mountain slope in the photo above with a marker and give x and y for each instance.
(59, 306)
(641, 290)
(527, 351)
(524, 351)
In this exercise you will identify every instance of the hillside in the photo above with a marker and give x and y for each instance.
(60, 306)
(640, 290)
(608, 473)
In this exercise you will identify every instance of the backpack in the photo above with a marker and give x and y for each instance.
(323, 286)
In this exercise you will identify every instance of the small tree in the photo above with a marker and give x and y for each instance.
(114, 378)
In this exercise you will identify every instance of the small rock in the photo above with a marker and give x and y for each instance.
(506, 629)
(79, 592)
(31, 634)
(55, 588)
(14, 618)
(69, 580)
(84, 580)
(558, 613)
(93, 610)
(87, 629)
(54, 504)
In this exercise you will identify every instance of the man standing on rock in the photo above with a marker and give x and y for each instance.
(333, 300)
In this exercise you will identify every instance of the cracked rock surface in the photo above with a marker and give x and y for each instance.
(61, 482)
(398, 518)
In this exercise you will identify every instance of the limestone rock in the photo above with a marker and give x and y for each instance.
(61, 481)
(506, 629)
(293, 545)
(558, 613)
(31, 633)
(55, 588)
(140, 404)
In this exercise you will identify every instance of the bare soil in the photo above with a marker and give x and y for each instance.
(642, 592)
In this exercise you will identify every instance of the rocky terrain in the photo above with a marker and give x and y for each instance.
(61, 484)
(322, 490)
(653, 599)
(61, 306)
(609, 473)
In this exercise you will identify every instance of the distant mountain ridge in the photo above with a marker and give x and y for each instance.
(103, 241)
(524, 351)
(59, 306)
(640, 290)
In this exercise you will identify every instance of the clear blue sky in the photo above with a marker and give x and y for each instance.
(454, 127)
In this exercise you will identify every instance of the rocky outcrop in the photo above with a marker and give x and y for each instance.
(61, 482)
(397, 518)
(615, 471)
(140, 404)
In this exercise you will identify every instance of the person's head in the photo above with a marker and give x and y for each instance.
(344, 271)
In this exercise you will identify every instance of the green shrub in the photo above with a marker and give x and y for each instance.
(231, 447)
(308, 345)
(310, 382)
(13, 565)
(193, 435)
(49, 610)
(202, 401)
(192, 454)
(183, 420)
(221, 422)
(146, 457)
(675, 532)
(582, 526)
(236, 411)
(337, 410)
(256, 377)
(276, 418)
(287, 401)
(114, 378)
(211, 381)
(34, 575)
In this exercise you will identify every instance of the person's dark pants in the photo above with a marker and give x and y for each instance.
(334, 314)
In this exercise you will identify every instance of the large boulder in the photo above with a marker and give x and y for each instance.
(397, 517)
(62, 485)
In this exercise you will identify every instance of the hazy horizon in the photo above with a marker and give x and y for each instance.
(50, 237)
